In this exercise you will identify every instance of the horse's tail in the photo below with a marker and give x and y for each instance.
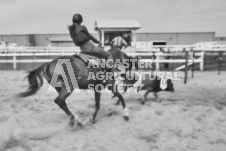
(35, 81)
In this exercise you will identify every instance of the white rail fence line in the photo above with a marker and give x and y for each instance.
(159, 58)
(166, 48)
(39, 49)
(32, 55)
(170, 50)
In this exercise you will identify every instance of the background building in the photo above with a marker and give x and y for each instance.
(64, 40)
(107, 30)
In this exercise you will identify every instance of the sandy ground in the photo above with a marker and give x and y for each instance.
(192, 118)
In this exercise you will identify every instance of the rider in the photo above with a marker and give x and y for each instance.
(81, 37)
(119, 42)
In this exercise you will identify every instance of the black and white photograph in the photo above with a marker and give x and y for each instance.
(112, 75)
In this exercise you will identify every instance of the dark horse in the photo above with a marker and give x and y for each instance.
(81, 73)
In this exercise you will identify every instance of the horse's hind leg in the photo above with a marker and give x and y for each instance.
(145, 96)
(156, 96)
(60, 101)
(126, 114)
(97, 106)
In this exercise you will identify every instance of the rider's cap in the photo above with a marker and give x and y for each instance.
(77, 18)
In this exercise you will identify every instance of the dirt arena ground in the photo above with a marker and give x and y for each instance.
(192, 118)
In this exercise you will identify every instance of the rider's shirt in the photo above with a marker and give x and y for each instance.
(118, 41)
(80, 34)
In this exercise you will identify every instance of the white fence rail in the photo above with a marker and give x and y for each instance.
(32, 52)
(160, 59)
(38, 49)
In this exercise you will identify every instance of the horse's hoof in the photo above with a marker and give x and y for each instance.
(79, 124)
(126, 118)
(92, 121)
(143, 102)
(71, 123)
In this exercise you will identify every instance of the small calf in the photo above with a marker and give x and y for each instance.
(150, 83)
(154, 86)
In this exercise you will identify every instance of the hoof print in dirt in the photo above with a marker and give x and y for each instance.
(159, 112)
(218, 105)
(159, 100)
(143, 102)
(113, 112)
(126, 118)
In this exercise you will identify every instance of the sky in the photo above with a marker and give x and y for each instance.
(53, 16)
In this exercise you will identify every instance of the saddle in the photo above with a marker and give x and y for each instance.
(89, 59)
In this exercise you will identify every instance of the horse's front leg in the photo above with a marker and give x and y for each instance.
(60, 101)
(156, 96)
(97, 106)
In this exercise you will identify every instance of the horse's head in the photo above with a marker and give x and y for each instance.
(121, 57)
(116, 53)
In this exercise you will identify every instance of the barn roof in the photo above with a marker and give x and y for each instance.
(117, 24)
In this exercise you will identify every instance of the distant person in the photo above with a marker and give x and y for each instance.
(81, 37)
(119, 42)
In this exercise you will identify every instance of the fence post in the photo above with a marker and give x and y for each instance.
(193, 63)
(186, 67)
(220, 62)
(157, 63)
(14, 60)
(202, 61)
(33, 58)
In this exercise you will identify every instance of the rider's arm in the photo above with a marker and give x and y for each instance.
(112, 42)
(124, 43)
(90, 36)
